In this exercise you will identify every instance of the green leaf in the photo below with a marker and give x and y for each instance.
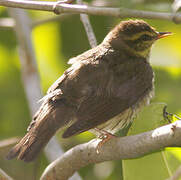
(149, 118)
(159, 165)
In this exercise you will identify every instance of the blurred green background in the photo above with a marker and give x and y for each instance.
(54, 44)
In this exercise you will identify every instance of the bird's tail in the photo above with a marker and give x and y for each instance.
(32, 143)
(27, 149)
(48, 121)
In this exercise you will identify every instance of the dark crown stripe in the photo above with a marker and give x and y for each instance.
(132, 30)
(134, 27)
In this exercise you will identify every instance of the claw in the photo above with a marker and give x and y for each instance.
(104, 136)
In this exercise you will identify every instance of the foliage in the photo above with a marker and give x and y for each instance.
(54, 44)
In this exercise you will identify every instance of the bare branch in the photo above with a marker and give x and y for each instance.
(7, 23)
(8, 142)
(34, 5)
(87, 25)
(27, 58)
(4, 176)
(124, 148)
(30, 74)
(77, 9)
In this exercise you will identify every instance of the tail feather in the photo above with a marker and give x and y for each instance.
(47, 123)
(30, 146)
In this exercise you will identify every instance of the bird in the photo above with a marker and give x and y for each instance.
(102, 91)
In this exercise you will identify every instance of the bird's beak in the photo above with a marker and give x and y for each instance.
(163, 34)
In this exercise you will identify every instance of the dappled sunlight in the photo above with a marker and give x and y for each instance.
(54, 44)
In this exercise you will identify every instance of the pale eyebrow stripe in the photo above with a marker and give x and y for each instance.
(136, 36)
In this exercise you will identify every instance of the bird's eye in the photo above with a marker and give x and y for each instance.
(146, 37)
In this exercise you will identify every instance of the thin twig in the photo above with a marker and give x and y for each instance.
(8, 142)
(88, 28)
(123, 147)
(176, 175)
(166, 163)
(104, 11)
(7, 23)
(4, 176)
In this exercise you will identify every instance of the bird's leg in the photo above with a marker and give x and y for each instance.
(104, 136)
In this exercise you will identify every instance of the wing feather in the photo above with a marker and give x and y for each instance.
(97, 109)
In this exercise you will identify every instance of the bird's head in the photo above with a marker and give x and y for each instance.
(134, 36)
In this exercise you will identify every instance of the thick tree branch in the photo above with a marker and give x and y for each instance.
(104, 11)
(118, 148)
(30, 74)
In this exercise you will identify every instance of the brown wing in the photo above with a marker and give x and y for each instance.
(125, 86)
(76, 66)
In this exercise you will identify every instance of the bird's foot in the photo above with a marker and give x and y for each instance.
(104, 136)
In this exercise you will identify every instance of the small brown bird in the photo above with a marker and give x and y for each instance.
(103, 89)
